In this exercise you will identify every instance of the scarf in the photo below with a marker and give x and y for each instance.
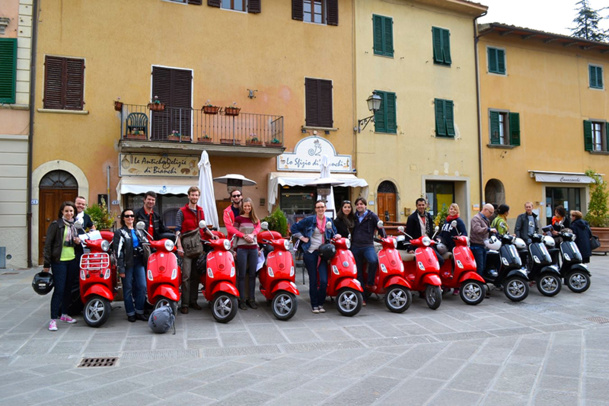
(71, 231)
(451, 218)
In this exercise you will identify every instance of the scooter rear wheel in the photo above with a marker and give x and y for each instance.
(548, 284)
(349, 302)
(578, 281)
(433, 296)
(516, 289)
(472, 292)
(284, 305)
(398, 298)
(163, 301)
(97, 311)
(224, 307)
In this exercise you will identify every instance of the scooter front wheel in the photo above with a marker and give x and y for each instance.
(548, 284)
(163, 301)
(284, 305)
(97, 311)
(398, 298)
(578, 281)
(516, 289)
(349, 302)
(472, 292)
(433, 296)
(224, 307)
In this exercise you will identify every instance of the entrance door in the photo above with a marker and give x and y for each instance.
(439, 194)
(568, 197)
(55, 188)
(386, 201)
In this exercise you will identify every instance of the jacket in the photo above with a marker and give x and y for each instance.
(228, 217)
(582, 232)
(413, 227)
(306, 227)
(187, 220)
(522, 228)
(363, 232)
(54, 243)
(448, 232)
(122, 244)
(479, 229)
(342, 228)
(157, 222)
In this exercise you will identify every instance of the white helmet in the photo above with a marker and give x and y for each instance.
(520, 244)
(492, 243)
(549, 241)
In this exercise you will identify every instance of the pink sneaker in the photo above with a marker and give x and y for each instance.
(52, 325)
(67, 319)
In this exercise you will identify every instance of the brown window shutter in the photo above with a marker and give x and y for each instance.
(173, 88)
(325, 103)
(213, 3)
(53, 83)
(74, 84)
(332, 12)
(318, 98)
(311, 96)
(195, 2)
(254, 6)
(297, 10)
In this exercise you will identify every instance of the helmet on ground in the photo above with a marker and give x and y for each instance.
(549, 241)
(520, 244)
(161, 320)
(327, 251)
(43, 283)
(492, 243)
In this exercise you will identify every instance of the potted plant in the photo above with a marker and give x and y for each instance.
(277, 222)
(275, 142)
(156, 105)
(205, 139)
(253, 140)
(174, 136)
(185, 138)
(598, 210)
(208, 108)
(100, 215)
(137, 135)
(232, 110)
(118, 104)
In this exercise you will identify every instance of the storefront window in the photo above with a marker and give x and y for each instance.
(297, 202)
(568, 197)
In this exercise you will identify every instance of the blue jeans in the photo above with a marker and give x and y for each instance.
(64, 274)
(247, 259)
(134, 287)
(479, 252)
(367, 254)
(317, 286)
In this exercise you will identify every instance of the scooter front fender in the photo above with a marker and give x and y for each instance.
(579, 267)
(550, 268)
(99, 290)
(521, 272)
(397, 280)
(224, 286)
(432, 279)
(471, 275)
(168, 291)
(285, 285)
(349, 283)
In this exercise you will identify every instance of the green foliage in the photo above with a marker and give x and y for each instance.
(587, 21)
(441, 217)
(598, 210)
(277, 222)
(101, 216)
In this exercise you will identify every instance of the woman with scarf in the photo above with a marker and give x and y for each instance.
(247, 227)
(500, 222)
(560, 220)
(345, 219)
(59, 256)
(127, 245)
(448, 231)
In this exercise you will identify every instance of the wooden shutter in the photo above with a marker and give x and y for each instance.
(501, 61)
(195, 2)
(440, 123)
(588, 135)
(449, 117)
(332, 7)
(492, 60)
(213, 3)
(437, 44)
(325, 103)
(297, 10)
(53, 83)
(311, 97)
(380, 123)
(388, 36)
(514, 128)
(173, 88)
(8, 69)
(599, 77)
(446, 47)
(495, 130)
(592, 76)
(377, 34)
(318, 98)
(74, 84)
(390, 113)
(254, 6)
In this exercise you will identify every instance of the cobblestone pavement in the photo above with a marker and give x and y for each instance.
(543, 351)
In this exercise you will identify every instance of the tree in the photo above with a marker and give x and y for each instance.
(598, 211)
(587, 23)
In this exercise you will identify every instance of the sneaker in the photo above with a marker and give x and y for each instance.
(142, 317)
(321, 309)
(67, 319)
(242, 305)
(315, 310)
(251, 303)
(52, 325)
(131, 319)
(456, 292)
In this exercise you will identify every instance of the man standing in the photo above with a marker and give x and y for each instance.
(232, 211)
(526, 223)
(479, 231)
(81, 204)
(187, 219)
(420, 222)
(152, 219)
(362, 242)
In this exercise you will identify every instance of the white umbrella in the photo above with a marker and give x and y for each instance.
(207, 200)
(326, 179)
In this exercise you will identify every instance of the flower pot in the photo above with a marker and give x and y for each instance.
(185, 138)
(232, 111)
(211, 109)
(227, 141)
(253, 142)
(136, 136)
(118, 105)
(156, 106)
(202, 140)
(173, 138)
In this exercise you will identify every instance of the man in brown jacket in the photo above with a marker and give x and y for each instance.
(479, 231)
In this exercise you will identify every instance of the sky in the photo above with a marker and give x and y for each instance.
(555, 16)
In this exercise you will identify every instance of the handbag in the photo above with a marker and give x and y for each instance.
(594, 242)
(146, 251)
(191, 243)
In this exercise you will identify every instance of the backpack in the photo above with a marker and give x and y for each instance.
(162, 319)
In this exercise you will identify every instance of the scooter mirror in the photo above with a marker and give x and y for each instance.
(264, 225)
(380, 224)
(453, 224)
(202, 224)
(79, 223)
(401, 229)
(140, 225)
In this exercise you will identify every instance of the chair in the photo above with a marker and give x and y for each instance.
(137, 122)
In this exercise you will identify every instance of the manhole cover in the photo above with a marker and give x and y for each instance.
(98, 362)
(599, 320)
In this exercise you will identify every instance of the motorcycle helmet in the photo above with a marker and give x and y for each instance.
(441, 247)
(327, 252)
(201, 264)
(43, 283)
(161, 320)
(520, 244)
(492, 243)
(549, 241)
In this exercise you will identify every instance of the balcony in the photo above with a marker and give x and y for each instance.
(190, 131)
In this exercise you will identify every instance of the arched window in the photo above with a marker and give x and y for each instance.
(494, 192)
(387, 187)
(58, 180)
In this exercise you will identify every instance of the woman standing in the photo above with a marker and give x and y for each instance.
(582, 232)
(500, 222)
(127, 244)
(345, 220)
(448, 231)
(59, 255)
(312, 233)
(247, 228)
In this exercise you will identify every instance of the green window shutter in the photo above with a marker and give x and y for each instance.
(449, 118)
(599, 77)
(514, 128)
(440, 123)
(494, 118)
(587, 135)
(388, 36)
(8, 69)
(380, 123)
(501, 61)
(492, 60)
(606, 136)
(377, 32)
(390, 113)
(592, 76)
(437, 44)
(446, 47)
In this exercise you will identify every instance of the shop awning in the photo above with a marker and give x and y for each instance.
(277, 179)
(160, 185)
(560, 177)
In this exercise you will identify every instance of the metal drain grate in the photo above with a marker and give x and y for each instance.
(98, 362)
(599, 320)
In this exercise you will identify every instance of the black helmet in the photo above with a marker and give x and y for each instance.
(43, 283)
(327, 251)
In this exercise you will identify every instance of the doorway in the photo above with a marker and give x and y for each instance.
(439, 194)
(386, 201)
(568, 197)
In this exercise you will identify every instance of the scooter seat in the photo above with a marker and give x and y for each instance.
(406, 256)
(447, 255)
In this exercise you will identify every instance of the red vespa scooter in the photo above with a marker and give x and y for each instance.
(220, 279)
(422, 269)
(277, 276)
(163, 273)
(98, 280)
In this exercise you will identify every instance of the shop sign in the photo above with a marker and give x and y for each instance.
(158, 165)
(307, 157)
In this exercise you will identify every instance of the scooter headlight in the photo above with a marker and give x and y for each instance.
(226, 244)
(348, 243)
(426, 241)
(286, 245)
(169, 245)
(105, 245)
(174, 273)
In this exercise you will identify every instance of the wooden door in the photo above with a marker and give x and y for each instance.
(48, 209)
(220, 206)
(386, 205)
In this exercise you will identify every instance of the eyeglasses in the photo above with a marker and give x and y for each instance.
(236, 196)
(129, 215)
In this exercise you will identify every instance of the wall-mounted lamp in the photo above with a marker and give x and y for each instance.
(374, 104)
(251, 94)
(303, 130)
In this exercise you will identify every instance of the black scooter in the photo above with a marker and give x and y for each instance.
(576, 274)
(541, 267)
(504, 267)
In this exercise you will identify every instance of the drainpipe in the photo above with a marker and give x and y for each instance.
(30, 142)
(480, 178)
(354, 159)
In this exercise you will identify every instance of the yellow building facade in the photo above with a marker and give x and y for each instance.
(287, 67)
(544, 114)
(419, 56)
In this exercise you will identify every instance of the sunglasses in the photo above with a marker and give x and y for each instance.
(236, 196)
(129, 216)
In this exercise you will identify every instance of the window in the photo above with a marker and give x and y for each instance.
(8, 69)
(382, 28)
(64, 83)
(596, 76)
(441, 46)
(504, 128)
(318, 98)
(445, 122)
(173, 88)
(251, 6)
(595, 136)
(315, 11)
(385, 118)
(238, 5)
(496, 60)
